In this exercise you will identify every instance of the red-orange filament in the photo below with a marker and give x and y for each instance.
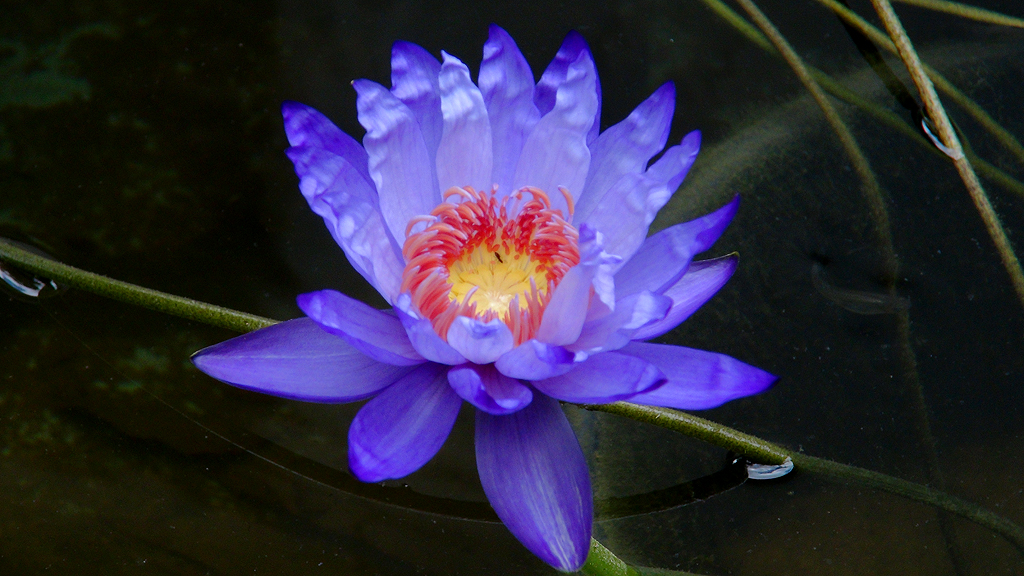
(475, 259)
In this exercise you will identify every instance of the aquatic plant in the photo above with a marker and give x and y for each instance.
(503, 294)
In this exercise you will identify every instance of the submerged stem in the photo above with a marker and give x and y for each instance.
(950, 140)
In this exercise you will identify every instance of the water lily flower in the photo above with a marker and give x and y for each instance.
(509, 237)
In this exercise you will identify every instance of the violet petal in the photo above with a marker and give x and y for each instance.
(480, 342)
(414, 81)
(305, 126)
(422, 335)
(296, 359)
(555, 75)
(401, 429)
(664, 257)
(627, 147)
(489, 390)
(603, 378)
(567, 310)
(347, 202)
(464, 156)
(399, 163)
(375, 333)
(535, 477)
(555, 154)
(702, 280)
(533, 360)
(697, 380)
(616, 328)
(506, 82)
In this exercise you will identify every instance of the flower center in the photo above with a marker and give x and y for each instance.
(474, 259)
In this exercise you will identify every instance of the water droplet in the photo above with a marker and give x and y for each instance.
(25, 285)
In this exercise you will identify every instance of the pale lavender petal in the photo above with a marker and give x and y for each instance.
(664, 257)
(630, 205)
(489, 390)
(627, 147)
(422, 335)
(375, 333)
(533, 360)
(464, 155)
(414, 81)
(399, 162)
(296, 359)
(506, 82)
(305, 126)
(535, 477)
(555, 153)
(556, 73)
(697, 380)
(701, 281)
(671, 169)
(605, 377)
(615, 329)
(347, 202)
(401, 429)
(480, 342)
(567, 310)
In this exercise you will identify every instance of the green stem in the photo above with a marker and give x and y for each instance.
(131, 293)
(602, 564)
(763, 451)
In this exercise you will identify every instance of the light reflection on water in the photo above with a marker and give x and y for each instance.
(168, 172)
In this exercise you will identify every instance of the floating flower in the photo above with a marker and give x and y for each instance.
(510, 239)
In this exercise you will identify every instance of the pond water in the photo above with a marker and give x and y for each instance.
(143, 141)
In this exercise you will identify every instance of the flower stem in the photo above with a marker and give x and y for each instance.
(766, 452)
(602, 562)
(131, 293)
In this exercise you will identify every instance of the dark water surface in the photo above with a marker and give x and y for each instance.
(142, 140)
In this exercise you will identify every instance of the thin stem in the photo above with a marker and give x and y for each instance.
(967, 11)
(938, 115)
(872, 191)
(131, 293)
(1009, 141)
(880, 113)
(763, 451)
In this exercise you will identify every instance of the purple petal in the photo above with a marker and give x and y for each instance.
(567, 310)
(296, 359)
(399, 162)
(630, 205)
(422, 335)
(480, 342)
(535, 477)
(402, 428)
(555, 153)
(615, 329)
(533, 360)
(464, 155)
(697, 380)
(414, 81)
(506, 82)
(605, 377)
(671, 169)
(488, 389)
(664, 257)
(556, 73)
(701, 281)
(627, 147)
(305, 126)
(347, 202)
(377, 334)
